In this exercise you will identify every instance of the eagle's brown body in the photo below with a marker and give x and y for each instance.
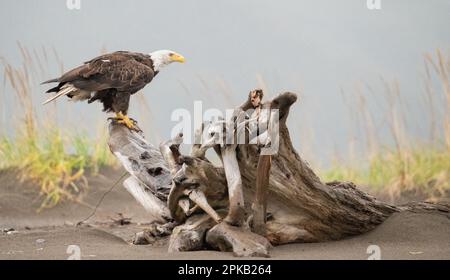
(110, 78)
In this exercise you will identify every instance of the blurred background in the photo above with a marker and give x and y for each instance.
(374, 90)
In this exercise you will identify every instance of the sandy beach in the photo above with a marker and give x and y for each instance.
(27, 234)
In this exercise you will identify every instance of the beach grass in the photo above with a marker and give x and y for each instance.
(408, 165)
(55, 158)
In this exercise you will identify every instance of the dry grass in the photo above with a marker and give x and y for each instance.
(409, 164)
(53, 157)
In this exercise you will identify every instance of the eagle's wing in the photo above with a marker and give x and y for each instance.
(117, 70)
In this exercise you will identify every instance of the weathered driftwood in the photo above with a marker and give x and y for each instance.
(156, 207)
(239, 240)
(190, 236)
(259, 206)
(257, 197)
(192, 178)
(141, 159)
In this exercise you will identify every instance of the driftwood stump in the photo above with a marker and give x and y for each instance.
(264, 193)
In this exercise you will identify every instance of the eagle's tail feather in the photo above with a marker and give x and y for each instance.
(54, 89)
(50, 81)
(64, 91)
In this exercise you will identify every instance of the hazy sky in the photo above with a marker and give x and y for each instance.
(311, 47)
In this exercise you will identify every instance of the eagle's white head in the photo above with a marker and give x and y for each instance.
(162, 58)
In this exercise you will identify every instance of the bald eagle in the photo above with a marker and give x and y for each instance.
(111, 79)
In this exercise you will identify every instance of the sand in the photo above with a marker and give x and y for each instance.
(47, 235)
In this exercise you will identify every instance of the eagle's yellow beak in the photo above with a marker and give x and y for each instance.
(177, 58)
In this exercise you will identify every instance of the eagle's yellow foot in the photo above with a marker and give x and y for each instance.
(125, 120)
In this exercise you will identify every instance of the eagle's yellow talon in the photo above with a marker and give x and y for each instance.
(125, 120)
